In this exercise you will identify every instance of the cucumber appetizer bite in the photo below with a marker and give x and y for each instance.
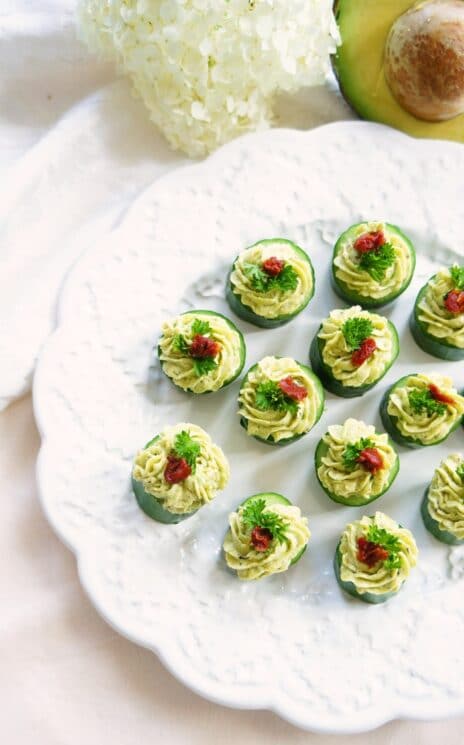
(437, 322)
(270, 282)
(373, 263)
(374, 557)
(178, 472)
(267, 535)
(353, 350)
(355, 464)
(443, 504)
(280, 400)
(201, 351)
(420, 410)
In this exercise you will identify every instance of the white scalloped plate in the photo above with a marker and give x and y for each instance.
(291, 643)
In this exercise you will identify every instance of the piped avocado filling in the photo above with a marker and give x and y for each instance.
(264, 540)
(445, 502)
(441, 308)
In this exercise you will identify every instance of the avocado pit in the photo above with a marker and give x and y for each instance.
(424, 60)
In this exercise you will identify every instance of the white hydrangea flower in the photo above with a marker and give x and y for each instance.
(208, 70)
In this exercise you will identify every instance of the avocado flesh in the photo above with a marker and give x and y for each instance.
(364, 27)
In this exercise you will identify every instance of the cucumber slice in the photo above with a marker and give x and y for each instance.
(344, 291)
(389, 421)
(246, 313)
(236, 372)
(326, 376)
(350, 587)
(289, 440)
(270, 498)
(433, 527)
(427, 342)
(151, 505)
(322, 450)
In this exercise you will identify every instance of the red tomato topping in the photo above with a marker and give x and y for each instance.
(370, 553)
(202, 347)
(369, 242)
(370, 459)
(293, 390)
(261, 538)
(273, 266)
(177, 469)
(437, 394)
(454, 301)
(367, 348)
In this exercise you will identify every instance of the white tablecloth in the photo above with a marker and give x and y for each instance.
(75, 148)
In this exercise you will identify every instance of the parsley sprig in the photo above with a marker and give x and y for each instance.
(270, 396)
(457, 275)
(376, 262)
(421, 400)
(181, 345)
(256, 515)
(286, 280)
(356, 330)
(460, 471)
(389, 542)
(353, 451)
(185, 447)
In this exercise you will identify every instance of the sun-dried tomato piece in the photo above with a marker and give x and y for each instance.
(273, 266)
(202, 347)
(454, 301)
(370, 553)
(177, 469)
(370, 459)
(369, 241)
(261, 538)
(367, 348)
(293, 390)
(438, 395)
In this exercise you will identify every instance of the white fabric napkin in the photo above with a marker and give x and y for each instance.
(75, 149)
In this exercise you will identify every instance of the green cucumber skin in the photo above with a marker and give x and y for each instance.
(242, 354)
(389, 422)
(152, 507)
(321, 450)
(247, 314)
(354, 298)
(428, 343)
(289, 440)
(350, 587)
(274, 498)
(432, 526)
(325, 374)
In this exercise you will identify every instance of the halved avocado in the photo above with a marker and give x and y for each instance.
(236, 372)
(152, 506)
(433, 527)
(359, 64)
(246, 313)
(270, 498)
(289, 440)
(322, 449)
(426, 341)
(326, 376)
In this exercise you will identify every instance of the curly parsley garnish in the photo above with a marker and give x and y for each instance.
(376, 262)
(457, 275)
(353, 450)
(201, 366)
(387, 541)
(286, 280)
(422, 400)
(204, 365)
(180, 344)
(185, 447)
(460, 471)
(270, 396)
(356, 330)
(255, 515)
(201, 327)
